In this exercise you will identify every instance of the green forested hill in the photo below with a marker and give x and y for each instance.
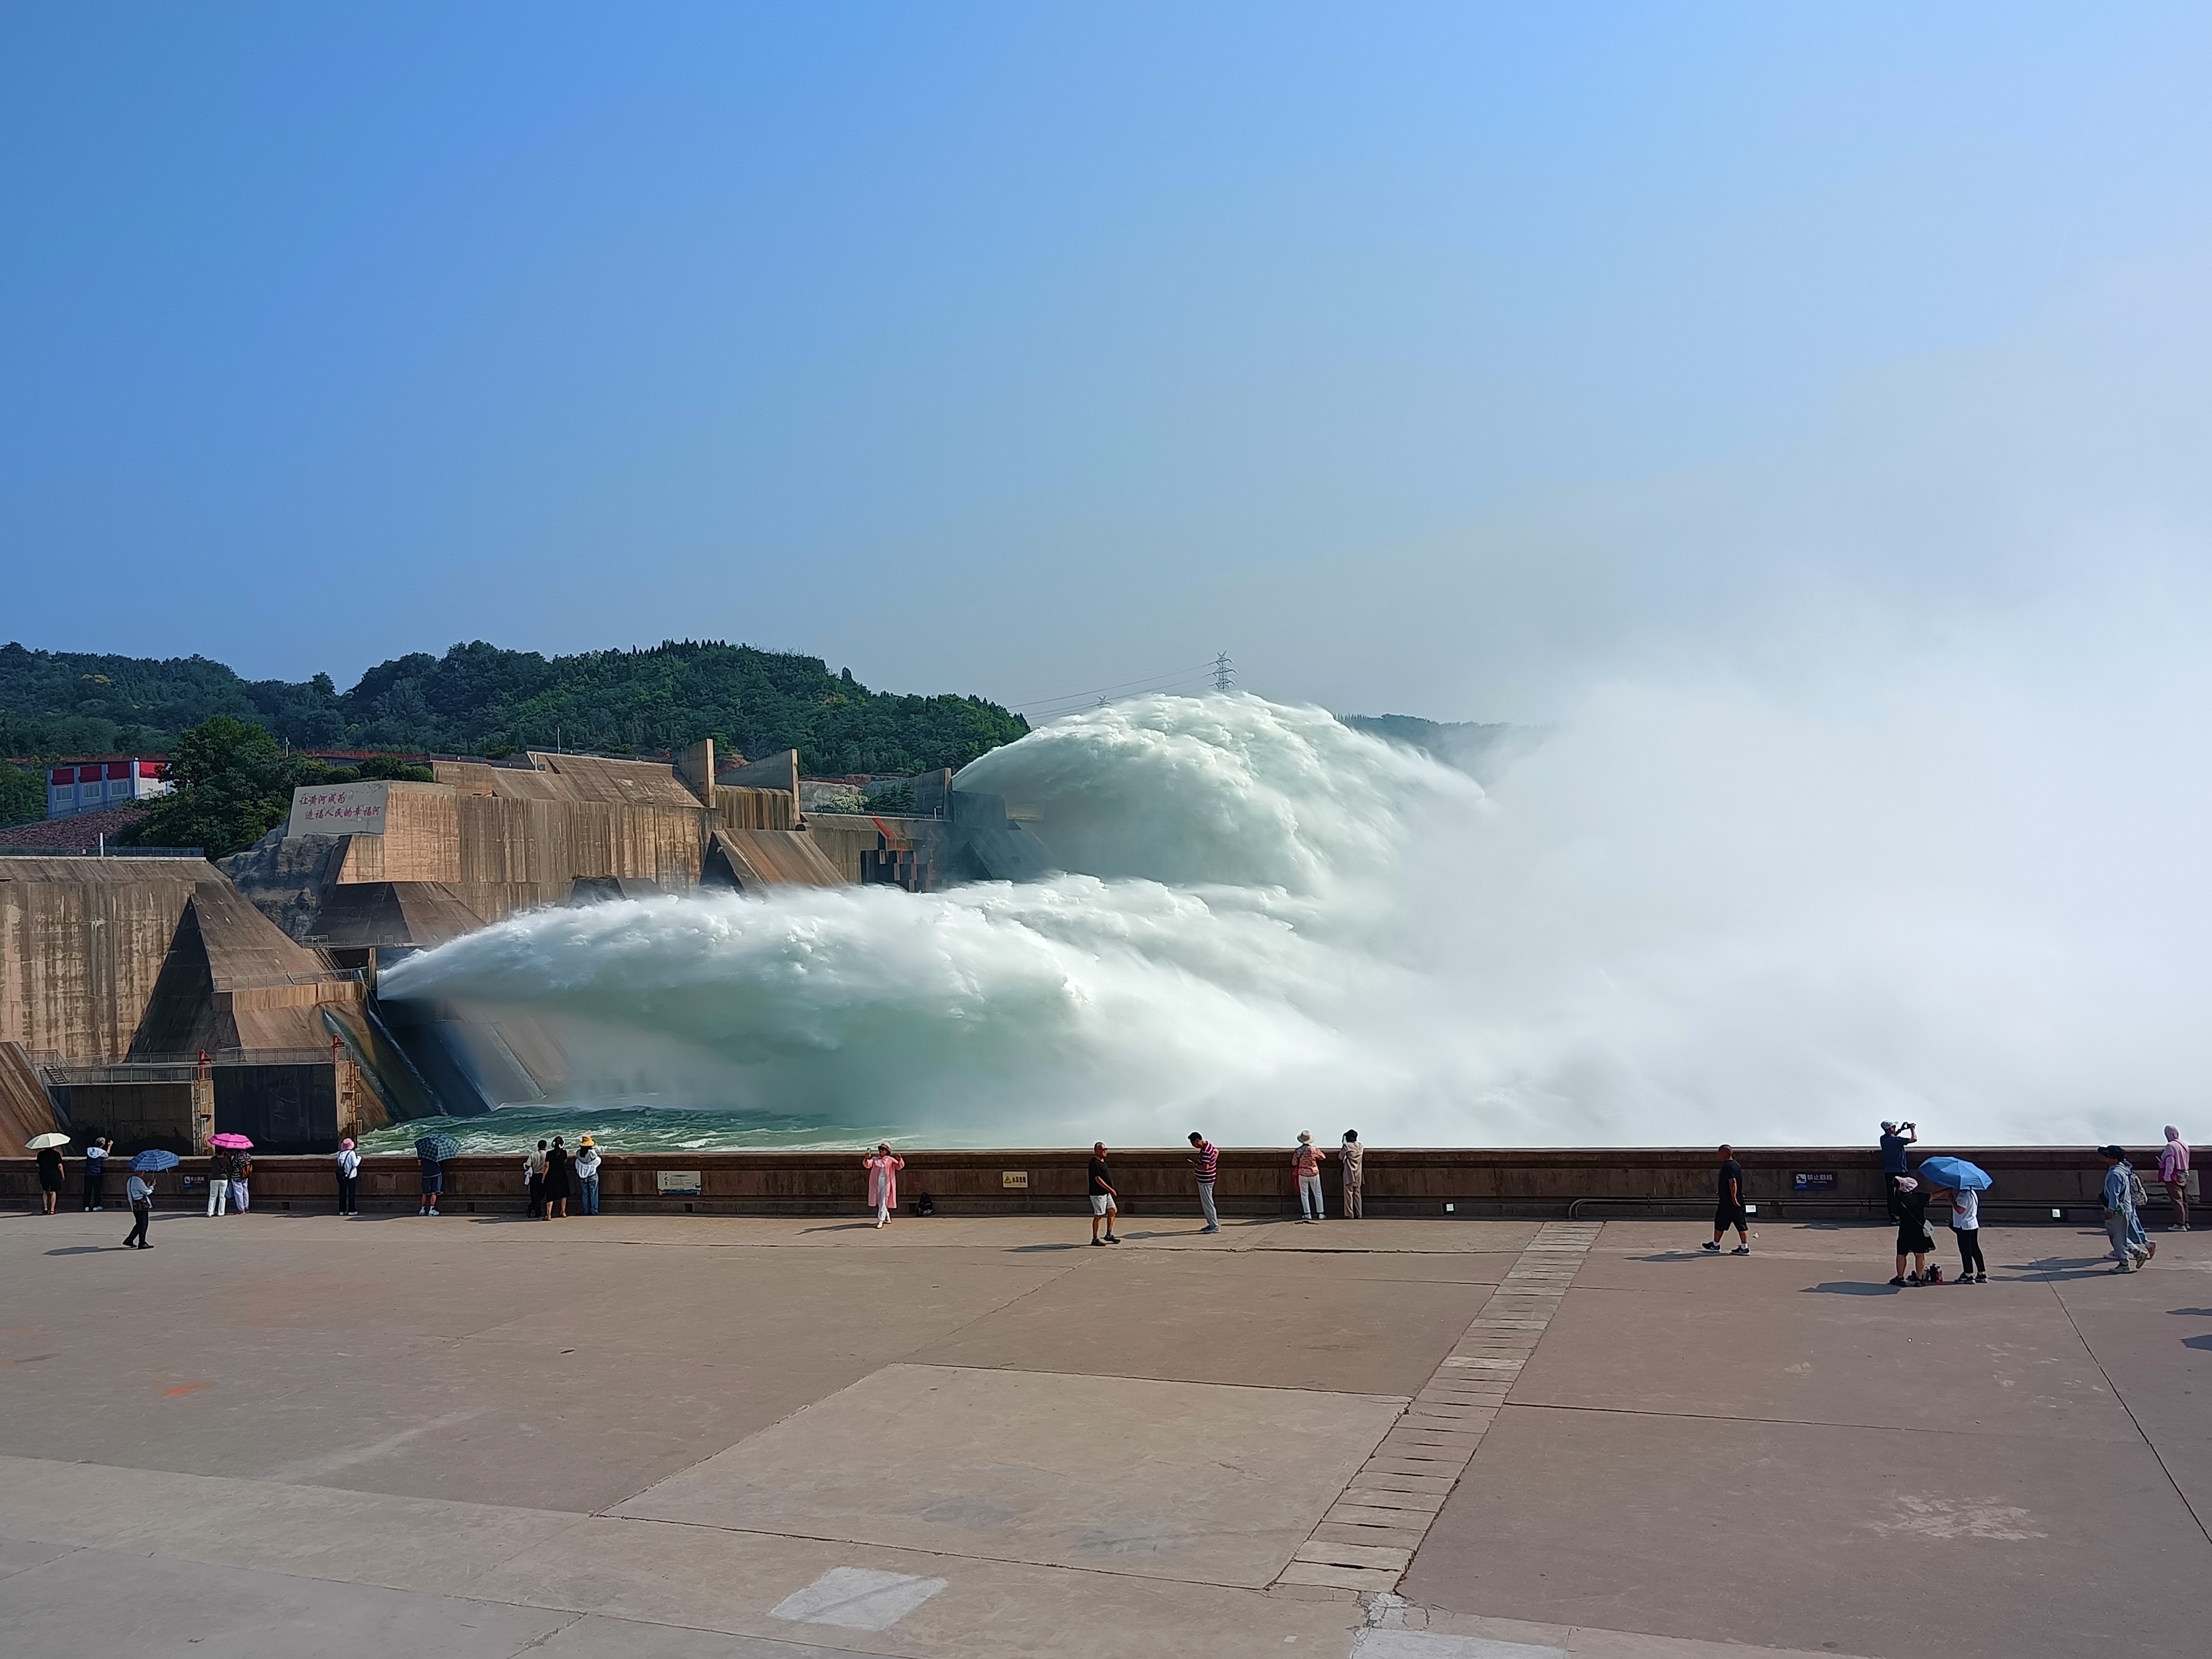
(477, 699)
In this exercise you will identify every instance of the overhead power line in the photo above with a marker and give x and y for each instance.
(1196, 673)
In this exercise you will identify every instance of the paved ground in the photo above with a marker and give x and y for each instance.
(703, 1439)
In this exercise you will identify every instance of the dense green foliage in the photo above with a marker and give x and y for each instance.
(22, 796)
(234, 785)
(477, 700)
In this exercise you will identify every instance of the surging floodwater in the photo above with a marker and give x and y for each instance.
(1226, 954)
(1673, 922)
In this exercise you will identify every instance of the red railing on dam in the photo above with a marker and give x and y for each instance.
(1805, 1184)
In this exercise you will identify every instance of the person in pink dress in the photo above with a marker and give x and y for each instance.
(883, 1166)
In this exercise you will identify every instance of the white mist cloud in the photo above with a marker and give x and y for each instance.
(1874, 787)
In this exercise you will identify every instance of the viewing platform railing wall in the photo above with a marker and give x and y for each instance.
(2031, 1182)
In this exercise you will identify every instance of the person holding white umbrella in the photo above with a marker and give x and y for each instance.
(49, 1149)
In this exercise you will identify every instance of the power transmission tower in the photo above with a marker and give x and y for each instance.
(1224, 673)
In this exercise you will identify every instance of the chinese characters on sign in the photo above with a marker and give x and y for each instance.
(343, 808)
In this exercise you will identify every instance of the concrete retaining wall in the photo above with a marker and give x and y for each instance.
(2031, 1181)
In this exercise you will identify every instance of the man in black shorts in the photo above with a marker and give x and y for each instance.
(1729, 1212)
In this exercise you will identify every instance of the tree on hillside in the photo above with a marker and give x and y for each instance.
(233, 785)
(478, 699)
(22, 796)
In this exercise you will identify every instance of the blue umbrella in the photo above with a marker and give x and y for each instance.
(1953, 1172)
(154, 1160)
(437, 1149)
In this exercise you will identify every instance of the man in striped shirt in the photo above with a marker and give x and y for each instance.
(1208, 1164)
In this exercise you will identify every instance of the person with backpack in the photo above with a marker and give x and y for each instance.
(241, 1172)
(348, 1178)
(1305, 1166)
(2123, 1192)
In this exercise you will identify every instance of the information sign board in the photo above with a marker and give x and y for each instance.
(338, 809)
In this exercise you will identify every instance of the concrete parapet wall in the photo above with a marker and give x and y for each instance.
(1401, 1181)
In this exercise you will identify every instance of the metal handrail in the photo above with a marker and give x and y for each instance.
(91, 850)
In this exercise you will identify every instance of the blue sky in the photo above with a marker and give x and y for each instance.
(1434, 358)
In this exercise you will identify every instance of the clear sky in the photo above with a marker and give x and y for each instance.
(1428, 358)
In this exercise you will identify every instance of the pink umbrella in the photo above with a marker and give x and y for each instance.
(231, 1143)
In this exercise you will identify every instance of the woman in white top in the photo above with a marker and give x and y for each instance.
(348, 1178)
(1966, 1228)
(588, 1175)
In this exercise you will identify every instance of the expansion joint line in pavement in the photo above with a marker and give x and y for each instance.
(1367, 1539)
(2134, 1422)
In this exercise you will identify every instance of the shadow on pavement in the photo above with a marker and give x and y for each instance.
(1850, 1287)
(84, 1250)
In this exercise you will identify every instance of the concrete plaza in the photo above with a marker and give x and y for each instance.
(709, 1438)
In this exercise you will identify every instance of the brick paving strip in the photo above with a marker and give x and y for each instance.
(1368, 1538)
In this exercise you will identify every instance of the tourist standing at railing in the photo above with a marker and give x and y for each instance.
(2173, 1170)
(50, 1177)
(348, 1178)
(1895, 1138)
(241, 1172)
(587, 1175)
(1305, 1166)
(95, 1173)
(1355, 1174)
(218, 1180)
(533, 1178)
(883, 1166)
(1207, 1164)
(556, 1181)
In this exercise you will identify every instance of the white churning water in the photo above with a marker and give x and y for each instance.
(1658, 930)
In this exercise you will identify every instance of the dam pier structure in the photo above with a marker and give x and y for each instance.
(161, 999)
